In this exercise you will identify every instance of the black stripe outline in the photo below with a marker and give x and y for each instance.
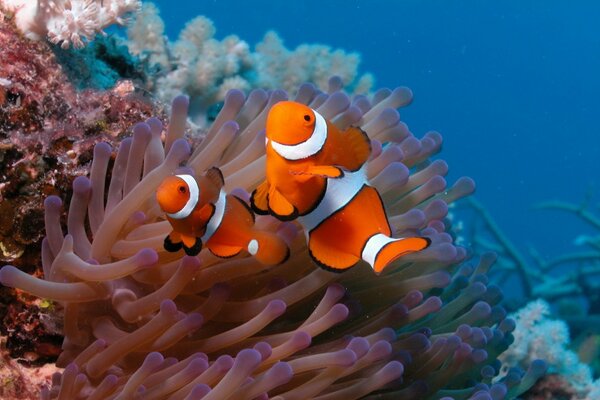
(319, 199)
(368, 141)
(317, 261)
(338, 210)
(255, 208)
(230, 256)
(326, 267)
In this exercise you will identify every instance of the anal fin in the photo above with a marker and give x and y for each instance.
(268, 248)
(330, 258)
(224, 251)
(259, 200)
(280, 207)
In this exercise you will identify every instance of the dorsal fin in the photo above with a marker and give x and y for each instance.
(359, 144)
(215, 176)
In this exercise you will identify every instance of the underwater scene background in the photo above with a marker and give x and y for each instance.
(511, 86)
(504, 304)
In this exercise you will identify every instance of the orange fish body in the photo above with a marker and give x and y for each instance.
(201, 213)
(315, 173)
(296, 184)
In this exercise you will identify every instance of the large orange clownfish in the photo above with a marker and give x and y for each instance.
(201, 213)
(316, 173)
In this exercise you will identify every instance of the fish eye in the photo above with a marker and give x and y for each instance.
(182, 189)
(307, 118)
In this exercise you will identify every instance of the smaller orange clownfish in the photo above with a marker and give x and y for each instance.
(201, 213)
(316, 173)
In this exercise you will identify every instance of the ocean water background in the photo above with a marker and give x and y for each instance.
(513, 86)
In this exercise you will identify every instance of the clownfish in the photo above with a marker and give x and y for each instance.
(316, 173)
(201, 213)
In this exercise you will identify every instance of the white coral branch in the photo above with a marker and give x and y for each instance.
(68, 22)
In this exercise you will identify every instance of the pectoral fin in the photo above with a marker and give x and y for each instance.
(192, 246)
(259, 199)
(206, 212)
(280, 207)
(171, 244)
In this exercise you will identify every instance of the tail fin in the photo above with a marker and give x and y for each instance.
(381, 250)
(268, 248)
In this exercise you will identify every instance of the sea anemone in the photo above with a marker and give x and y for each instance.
(140, 322)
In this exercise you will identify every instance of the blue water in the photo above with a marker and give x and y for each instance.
(514, 87)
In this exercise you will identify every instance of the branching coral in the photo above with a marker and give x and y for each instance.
(584, 280)
(68, 22)
(540, 277)
(143, 323)
(279, 67)
(538, 336)
(574, 292)
(205, 68)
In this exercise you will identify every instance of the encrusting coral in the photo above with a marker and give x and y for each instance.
(48, 130)
(19, 381)
(143, 323)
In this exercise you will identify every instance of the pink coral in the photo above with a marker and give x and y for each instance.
(22, 382)
(551, 387)
(48, 131)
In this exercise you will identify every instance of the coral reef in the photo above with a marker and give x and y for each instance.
(21, 382)
(206, 68)
(537, 276)
(584, 280)
(101, 65)
(32, 329)
(539, 337)
(570, 282)
(141, 322)
(48, 130)
(551, 387)
(68, 22)
(279, 67)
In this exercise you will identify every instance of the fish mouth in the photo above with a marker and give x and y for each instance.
(164, 201)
